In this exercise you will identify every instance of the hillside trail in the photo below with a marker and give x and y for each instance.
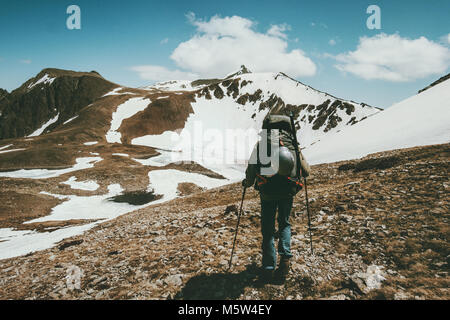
(380, 231)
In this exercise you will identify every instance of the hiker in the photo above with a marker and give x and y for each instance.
(277, 186)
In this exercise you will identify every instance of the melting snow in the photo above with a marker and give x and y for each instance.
(45, 79)
(173, 85)
(165, 182)
(19, 243)
(5, 147)
(161, 160)
(70, 120)
(81, 163)
(90, 143)
(39, 131)
(124, 111)
(115, 92)
(120, 154)
(12, 150)
(81, 185)
(23, 242)
(77, 207)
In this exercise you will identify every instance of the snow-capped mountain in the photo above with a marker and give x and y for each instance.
(242, 100)
(423, 119)
(151, 116)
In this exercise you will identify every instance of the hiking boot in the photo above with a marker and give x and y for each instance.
(283, 268)
(266, 275)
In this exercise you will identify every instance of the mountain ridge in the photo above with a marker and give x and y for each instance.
(52, 92)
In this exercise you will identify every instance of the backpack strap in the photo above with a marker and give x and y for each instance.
(269, 150)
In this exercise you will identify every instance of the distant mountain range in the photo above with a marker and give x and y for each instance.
(48, 101)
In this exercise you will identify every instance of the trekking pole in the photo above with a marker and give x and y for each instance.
(237, 226)
(297, 154)
(309, 217)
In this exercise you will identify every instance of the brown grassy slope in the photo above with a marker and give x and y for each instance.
(161, 115)
(394, 214)
(26, 109)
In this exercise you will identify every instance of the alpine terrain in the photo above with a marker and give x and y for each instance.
(135, 191)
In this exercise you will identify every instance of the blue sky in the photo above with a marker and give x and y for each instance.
(117, 36)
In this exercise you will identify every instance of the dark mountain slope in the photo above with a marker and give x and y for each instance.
(51, 93)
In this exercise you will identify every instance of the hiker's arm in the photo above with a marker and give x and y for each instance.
(306, 170)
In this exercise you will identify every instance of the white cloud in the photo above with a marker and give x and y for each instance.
(279, 30)
(393, 58)
(164, 41)
(159, 73)
(25, 61)
(332, 42)
(445, 39)
(222, 45)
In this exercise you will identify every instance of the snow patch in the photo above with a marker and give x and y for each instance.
(39, 131)
(46, 79)
(173, 85)
(71, 119)
(5, 147)
(124, 111)
(81, 164)
(89, 185)
(23, 242)
(165, 182)
(115, 92)
(12, 150)
(91, 143)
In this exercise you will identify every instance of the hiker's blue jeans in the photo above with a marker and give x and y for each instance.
(268, 214)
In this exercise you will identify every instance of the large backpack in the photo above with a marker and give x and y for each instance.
(279, 131)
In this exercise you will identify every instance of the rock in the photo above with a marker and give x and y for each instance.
(98, 280)
(231, 208)
(160, 238)
(174, 280)
(401, 296)
(369, 280)
(358, 284)
(224, 262)
(374, 277)
(69, 244)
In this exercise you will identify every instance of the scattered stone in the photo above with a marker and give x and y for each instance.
(231, 209)
(70, 244)
(174, 280)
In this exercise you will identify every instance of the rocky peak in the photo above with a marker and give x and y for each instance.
(442, 79)
(242, 70)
